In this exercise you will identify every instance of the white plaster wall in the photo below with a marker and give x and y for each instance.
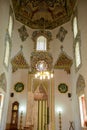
(61, 99)
(21, 75)
(21, 97)
(82, 20)
(4, 18)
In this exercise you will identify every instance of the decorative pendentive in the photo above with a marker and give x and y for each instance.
(61, 34)
(3, 82)
(23, 33)
(34, 13)
(19, 62)
(41, 56)
(63, 62)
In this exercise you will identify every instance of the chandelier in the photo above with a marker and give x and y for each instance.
(44, 75)
(42, 72)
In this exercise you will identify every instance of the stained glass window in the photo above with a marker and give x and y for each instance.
(41, 43)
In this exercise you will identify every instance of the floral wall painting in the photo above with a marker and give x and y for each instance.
(61, 34)
(23, 33)
(3, 82)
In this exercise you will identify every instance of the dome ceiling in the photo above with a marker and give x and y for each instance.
(40, 14)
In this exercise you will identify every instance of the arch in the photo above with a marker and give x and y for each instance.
(82, 100)
(41, 43)
(40, 93)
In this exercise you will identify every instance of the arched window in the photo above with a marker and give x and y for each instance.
(77, 41)
(77, 54)
(80, 90)
(83, 112)
(7, 52)
(1, 104)
(75, 26)
(10, 25)
(41, 43)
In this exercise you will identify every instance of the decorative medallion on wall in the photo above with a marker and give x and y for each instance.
(23, 33)
(63, 88)
(61, 34)
(36, 13)
(3, 82)
(41, 56)
(63, 62)
(19, 87)
(19, 62)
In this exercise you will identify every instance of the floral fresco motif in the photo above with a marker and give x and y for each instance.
(23, 33)
(61, 34)
(3, 82)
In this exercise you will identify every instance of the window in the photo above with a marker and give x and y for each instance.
(75, 27)
(10, 25)
(7, 53)
(8, 39)
(77, 54)
(83, 113)
(77, 42)
(41, 43)
(1, 104)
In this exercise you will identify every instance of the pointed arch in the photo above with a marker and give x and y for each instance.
(40, 93)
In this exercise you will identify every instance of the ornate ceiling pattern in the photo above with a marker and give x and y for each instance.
(39, 14)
